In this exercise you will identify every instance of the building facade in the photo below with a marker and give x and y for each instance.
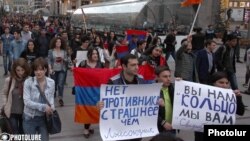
(67, 7)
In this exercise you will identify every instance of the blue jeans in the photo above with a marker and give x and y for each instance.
(168, 53)
(16, 123)
(7, 62)
(59, 78)
(36, 125)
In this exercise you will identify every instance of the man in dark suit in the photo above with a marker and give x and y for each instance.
(205, 62)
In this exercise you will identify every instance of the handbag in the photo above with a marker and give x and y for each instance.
(5, 123)
(4, 120)
(53, 121)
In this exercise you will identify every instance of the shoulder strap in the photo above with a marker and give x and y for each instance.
(41, 93)
(9, 86)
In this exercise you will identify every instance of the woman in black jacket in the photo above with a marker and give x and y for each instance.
(220, 79)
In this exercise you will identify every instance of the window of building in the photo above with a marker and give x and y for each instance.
(235, 4)
(242, 4)
(85, 2)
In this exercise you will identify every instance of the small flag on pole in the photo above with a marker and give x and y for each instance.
(190, 2)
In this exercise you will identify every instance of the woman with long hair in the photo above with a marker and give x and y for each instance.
(12, 94)
(30, 53)
(93, 61)
(58, 61)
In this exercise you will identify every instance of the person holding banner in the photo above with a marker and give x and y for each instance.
(220, 79)
(92, 62)
(84, 47)
(128, 75)
(163, 75)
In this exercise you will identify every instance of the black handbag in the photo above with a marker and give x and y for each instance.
(53, 121)
(5, 123)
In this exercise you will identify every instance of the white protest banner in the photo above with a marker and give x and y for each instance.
(80, 56)
(130, 111)
(196, 105)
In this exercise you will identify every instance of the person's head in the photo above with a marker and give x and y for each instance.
(219, 79)
(163, 75)
(93, 54)
(98, 41)
(64, 35)
(237, 28)
(36, 27)
(134, 38)
(43, 31)
(112, 34)
(210, 45)
(26, 28)
(156, 51)
(141, 44)
(187, 45)
(166, 137)
(231, 40)
(85, 41)
(20, 69)
(58, 42)
(31, 46)
(210, 26)
(40, 68)
(6, 29)
(173, 31)
(17, 34)
(130, 64)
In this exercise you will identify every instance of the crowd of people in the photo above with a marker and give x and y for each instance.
(38, 53)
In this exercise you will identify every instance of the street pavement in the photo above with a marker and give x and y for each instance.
(72, 131)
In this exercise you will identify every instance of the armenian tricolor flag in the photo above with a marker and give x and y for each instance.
(141, 34)
(87, 87)
(190, 2)
(123, 50)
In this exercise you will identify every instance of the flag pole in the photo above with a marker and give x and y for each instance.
(84, 20)
(195, 18)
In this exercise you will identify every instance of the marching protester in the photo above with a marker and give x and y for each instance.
(128, 75)
(205, 61)
(17, 46)
(153, 56)
(6, 39)
(84, 47)
(185, 66)
(220, 79)
(58, 61)
(139, 50)
(35, 107)
(12, 94)
(163, 75)
(30, 53)
(170, 42)
(225, 59)
(93, 61)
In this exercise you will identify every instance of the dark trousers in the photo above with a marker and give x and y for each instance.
(198, 136)
(237, 52)
(16, 122)
(87, 126)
